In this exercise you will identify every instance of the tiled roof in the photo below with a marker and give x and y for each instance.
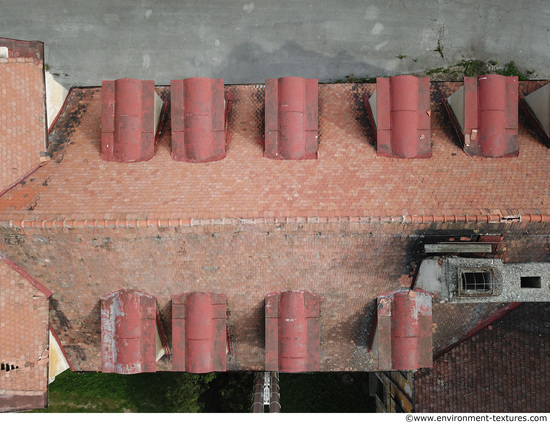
(23, 342)
(22, 118)
(503, 368)
(347, 179)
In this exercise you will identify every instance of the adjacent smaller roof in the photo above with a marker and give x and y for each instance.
(291, 118)
(130, 117)
(485, 114)
(402, 337)
(24, 314)
(292, 331)
(23, 134)
(129, 332)
(400, 113)
(199, 332)
(198, 118)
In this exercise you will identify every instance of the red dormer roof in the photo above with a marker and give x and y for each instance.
(128, 332)
(485, 113)
(199, 332)
(291, 118)
(400, 113)
(403, 331)
(292, 331)
(198, 117)
(129, 120)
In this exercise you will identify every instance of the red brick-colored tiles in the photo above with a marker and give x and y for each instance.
(503, 368)
(22, 118)
(23, 342)
(347, 179)
(346, 264)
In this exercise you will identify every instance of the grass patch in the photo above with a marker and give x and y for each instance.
(215, 392)
(353, 79)
(475, 68)
(150, 392)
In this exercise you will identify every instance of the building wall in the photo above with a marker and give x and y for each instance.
(394, 391)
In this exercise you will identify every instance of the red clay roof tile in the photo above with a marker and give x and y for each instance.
(22, 119)
(348, 179)
(24, 316)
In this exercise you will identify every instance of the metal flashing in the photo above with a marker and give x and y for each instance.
(130, 117)
(199, 332)
(537, 106)
(198, 116)
(291, 118)
(399, 111)
(292, 331)
(128, 332)
(485, 114)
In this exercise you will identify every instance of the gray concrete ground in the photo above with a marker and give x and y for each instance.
(247, 41)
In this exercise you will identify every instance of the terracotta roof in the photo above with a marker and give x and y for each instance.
(235, 246)
(24, 314)
(22, 120)
(503, 368)
(347, 179)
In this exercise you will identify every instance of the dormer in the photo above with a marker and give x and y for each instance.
(130, 117)
(199, 119)
(485, 113)
(399, 110)
(291, 118)
(132, 340)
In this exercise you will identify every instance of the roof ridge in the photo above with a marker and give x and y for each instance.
(191, 222)
(37, 284)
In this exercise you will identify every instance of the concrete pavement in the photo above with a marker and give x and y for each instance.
(249, 41)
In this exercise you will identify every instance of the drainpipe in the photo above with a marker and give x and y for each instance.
(274, 402)
(257, 398)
